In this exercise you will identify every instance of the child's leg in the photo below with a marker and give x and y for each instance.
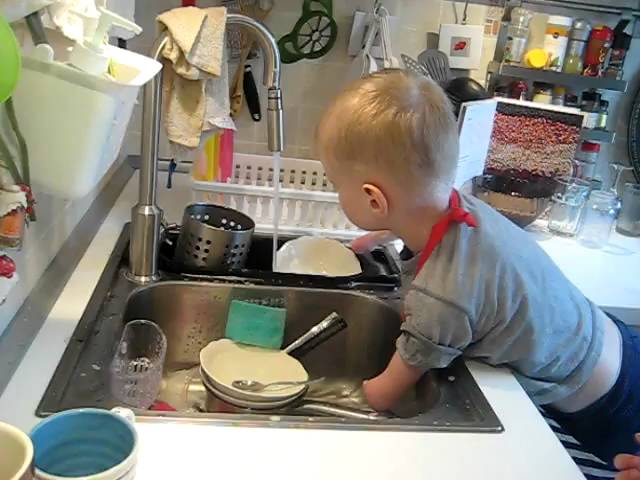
(607, 427)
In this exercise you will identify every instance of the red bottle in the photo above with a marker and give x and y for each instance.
(597, 50)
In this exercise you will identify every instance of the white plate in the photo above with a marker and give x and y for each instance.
(318, 256)
(262, 405)
(224, 361)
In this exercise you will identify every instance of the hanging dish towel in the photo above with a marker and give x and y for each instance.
(195, 89)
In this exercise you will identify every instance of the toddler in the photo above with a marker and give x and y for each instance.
(483, 288)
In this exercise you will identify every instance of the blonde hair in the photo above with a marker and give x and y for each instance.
(394, 120)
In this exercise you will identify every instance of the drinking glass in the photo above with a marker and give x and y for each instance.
(136, 368)
(629, 219)
(599, 216)
(567, 204)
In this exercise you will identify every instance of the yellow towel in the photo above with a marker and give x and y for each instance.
(195, 89)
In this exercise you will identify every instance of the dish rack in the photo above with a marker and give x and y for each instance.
(309, 204)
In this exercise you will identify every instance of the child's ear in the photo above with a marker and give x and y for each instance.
(378, 202)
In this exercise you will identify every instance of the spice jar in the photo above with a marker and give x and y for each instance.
(586, 160)
(555, 41)
(542, 93)
(517, 34)
(591, 106)
(558, 95)
(597, 50)
(518, 90)
(603, 115)
(13, 210)
(578, 38)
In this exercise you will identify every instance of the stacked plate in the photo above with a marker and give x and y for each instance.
(223, 361)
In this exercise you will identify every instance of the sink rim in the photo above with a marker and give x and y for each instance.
(52, 400)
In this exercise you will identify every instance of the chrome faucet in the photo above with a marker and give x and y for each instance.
(146, 216)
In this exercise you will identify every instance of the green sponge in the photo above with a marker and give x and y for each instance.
(256, 325)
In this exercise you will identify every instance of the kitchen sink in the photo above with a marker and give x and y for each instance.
(193, 313)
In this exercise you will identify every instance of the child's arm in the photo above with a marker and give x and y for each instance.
(384, 391)
(629, 465)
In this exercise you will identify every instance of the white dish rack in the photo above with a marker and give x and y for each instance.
(309, 204)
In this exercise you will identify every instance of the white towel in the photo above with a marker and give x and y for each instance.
(195, 89)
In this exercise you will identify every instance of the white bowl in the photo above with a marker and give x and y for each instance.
(224, 361)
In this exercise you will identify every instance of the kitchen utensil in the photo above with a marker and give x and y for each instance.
(245, 403)
(436, 63)
(313, 35)
(413, 66)
(317, 256)
(567, 205)
(259, 11)
(213, 238)
(136, 368)
(599, 216)
(10, 63)
(255, 386)
(87, 444)
(17, 454)
(629, 219)
(365, 63)
(251, 94)
(224, 361)
(464, 89)
(313, 332)
(389, 61)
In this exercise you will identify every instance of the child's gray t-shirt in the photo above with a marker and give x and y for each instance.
(492, 294)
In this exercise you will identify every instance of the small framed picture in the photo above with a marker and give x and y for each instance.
(462, 44)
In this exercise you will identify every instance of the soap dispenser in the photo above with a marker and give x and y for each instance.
(90, 54)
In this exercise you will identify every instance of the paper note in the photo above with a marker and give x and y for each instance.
(475, 124)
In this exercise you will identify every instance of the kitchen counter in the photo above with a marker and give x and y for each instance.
(527, 449)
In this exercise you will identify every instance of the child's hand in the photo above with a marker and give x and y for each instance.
(629, 465)
(384, 391)
(378, 394)
(368, 242)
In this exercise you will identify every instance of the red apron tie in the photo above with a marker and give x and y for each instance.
(456, 214)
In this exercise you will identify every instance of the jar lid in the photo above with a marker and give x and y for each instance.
(560, 20)
(590, 147)
(581, 30)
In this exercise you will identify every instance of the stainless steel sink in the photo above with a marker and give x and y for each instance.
(194, 313)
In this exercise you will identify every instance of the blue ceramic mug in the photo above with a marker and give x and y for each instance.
(87, 444)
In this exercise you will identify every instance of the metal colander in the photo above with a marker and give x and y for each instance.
(213, 238)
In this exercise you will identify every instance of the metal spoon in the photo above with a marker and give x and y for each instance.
(256, 386)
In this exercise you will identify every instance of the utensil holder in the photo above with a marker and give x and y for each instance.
(214, 238)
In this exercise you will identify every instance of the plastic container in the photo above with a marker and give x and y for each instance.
(578, 38)
(74, 123)
(599, 216)
(556, 40)
(309, 204)
(598, 48)
(517, 35)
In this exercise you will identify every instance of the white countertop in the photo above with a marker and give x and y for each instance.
(527, 449)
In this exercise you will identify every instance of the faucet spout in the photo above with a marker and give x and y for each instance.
(146, 216)
(271, 77)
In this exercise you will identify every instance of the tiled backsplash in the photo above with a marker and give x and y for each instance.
(309, 85)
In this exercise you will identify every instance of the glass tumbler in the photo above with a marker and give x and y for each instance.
(629, 219)
(567, 204)
(599, 216)
(136, 368)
